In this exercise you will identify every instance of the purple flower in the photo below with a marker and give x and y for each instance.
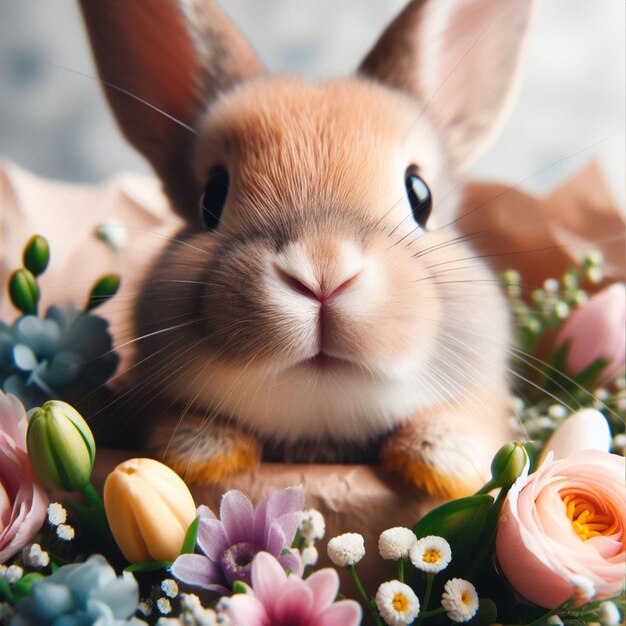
(230, 543)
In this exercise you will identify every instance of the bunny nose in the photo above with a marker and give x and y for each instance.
(319, 279)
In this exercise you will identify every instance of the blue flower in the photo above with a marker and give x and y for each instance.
(65, 355)
(81, 594)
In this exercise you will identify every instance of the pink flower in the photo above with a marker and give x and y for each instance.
(564, 523)
(597, 331)
(23, 501)
(278, 600)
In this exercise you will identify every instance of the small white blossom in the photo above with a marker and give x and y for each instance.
(310, 556)
(460, 600)
(208, 617)
(164, 606)
(312, 525)
(13, 574)
(169, 587)
(169, 621)
(561, 310)
(431, 554)
(608, 614)
(346, 549)
(557, 411)
(594, 275)
(555, 620)
(619, 443)
(35, 557)
(584, 589)
(189, 602)
(397, 603)
(65, 532)
(551, 285)
(395, 543)
(145, 607)
(56, 514)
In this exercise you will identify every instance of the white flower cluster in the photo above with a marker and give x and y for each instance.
(12, 573)
(312, 528)
(35, 557)
(346, 549)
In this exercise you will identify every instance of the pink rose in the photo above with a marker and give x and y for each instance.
(563, 524)
(23, 501)
(597, 331)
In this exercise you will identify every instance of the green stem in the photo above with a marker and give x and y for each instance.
(437, 611)
(91, 495)
(359, 586)
(430, 577)
(544, 618)
(100, 519)
(401, 570)
(489, 486)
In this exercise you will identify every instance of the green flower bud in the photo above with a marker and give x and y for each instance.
(24, 291)
(104, 289)
(60, 446)
(508, 464)
(36, 255)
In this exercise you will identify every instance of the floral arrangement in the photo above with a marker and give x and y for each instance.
(542, 542)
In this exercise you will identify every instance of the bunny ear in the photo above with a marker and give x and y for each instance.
(161, 62)
(459, 59)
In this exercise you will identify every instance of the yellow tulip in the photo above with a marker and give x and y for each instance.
(149, 509)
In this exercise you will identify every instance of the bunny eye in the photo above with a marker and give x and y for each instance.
(214, 197)
(419, 196)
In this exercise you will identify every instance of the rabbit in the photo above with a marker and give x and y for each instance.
(319, 305)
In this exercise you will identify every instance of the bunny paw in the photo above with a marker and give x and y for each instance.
(206, 455)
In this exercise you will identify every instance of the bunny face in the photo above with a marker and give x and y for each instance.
(318, 302)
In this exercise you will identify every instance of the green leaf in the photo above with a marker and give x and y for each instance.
(5, 592)
(461, 522)
(23, 586)
(191, 536)
(148, 566)
(486, 614)
(24, 291)
(239, 587)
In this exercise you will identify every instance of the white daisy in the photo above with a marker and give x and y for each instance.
(346, 549)
(395, 543)
(460, 600)
(431, 554)
(397, 603)
(56, 514)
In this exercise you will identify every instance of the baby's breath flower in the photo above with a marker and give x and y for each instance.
(460, 600)
(65, 532)
(561, 310)
(619, 443)
(431, 554)
(35, 557)
(620, 382)
(397, 603)
(584, 588)
(555, 620)
(557, 411)
(13, 574)
(56, 514)
(312, 525)
(608, 614)
(594, 275)
(395, 543)
(189, 602)
(169, 587)
(551, 285)
(346, 549)
(309, 556)
(208, 617)
(145, 607)
(164, 606)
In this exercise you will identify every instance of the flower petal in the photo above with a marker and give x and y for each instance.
(198, 570)
(212, 538)
(273, 506)
(268, 577)
(295, 605)
(324, 584)
(292, 561)
(245, 610)
(237, 516)
(345, 612)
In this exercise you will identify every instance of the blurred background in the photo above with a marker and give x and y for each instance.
(570, 106)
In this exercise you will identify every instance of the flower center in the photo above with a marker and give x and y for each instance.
(466, 598)
(586, 518)
(431, 555)
(237, 562)
(400, 603)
